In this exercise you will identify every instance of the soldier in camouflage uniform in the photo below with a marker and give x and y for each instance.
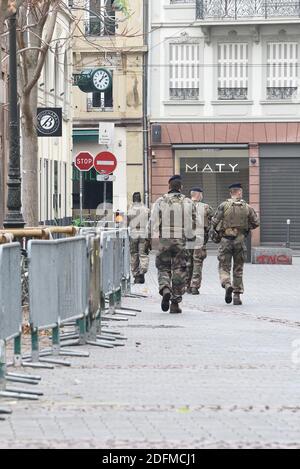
(138, 217)
(196, 256)
(172, 222)
(232, 222)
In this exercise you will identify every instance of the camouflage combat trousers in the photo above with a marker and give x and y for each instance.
(195, 261)
(232, 250)
(139, 257)
(171, 265)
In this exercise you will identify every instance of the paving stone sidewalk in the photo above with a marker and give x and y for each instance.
(217, 376)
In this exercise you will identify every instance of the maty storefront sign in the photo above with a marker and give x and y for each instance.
(216, 168)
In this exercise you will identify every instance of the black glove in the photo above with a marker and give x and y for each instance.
(215, 236)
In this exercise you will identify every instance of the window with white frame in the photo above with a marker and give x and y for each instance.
(184, 71)
(282, 70)
(233, 61)
(101, 18)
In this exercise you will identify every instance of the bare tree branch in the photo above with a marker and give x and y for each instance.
(52, 16)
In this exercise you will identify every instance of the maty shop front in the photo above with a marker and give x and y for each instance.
(216, 155)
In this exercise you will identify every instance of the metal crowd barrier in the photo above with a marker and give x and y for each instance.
(59, 268)
(11, 321)
(75, 284)
(115, 269)
(126, 270)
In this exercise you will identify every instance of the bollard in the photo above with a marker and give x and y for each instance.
(288, 233)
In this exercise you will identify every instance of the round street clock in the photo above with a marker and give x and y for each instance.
(92, 80)
(101, 79)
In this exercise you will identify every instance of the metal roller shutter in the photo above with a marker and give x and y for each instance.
(280, 198)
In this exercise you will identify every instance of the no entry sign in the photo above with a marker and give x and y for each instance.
(84, 161)
(105, 162)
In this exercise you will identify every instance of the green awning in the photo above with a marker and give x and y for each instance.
(90, 135)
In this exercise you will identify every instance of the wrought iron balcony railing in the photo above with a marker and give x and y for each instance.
(246, 9)
(184, 94)
(282, 93)
(225, 94)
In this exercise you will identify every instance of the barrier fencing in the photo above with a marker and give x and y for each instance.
(75, 287)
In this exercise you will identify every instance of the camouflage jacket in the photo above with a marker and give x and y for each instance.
(218, 219)
(173, 217)
(204, 214)
(137, 220)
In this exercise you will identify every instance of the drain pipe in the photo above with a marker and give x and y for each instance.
(145, 102)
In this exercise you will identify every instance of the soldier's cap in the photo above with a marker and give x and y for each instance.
(236, 185)
(196, 189)
(136, 194)
(176, 177)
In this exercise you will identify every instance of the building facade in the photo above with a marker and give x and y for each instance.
(3, 125)
(225, 104)
(55, 153)
(108, 38)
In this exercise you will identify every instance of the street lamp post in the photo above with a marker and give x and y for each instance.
(14, 217)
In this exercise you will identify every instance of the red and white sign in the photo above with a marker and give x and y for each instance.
(105, 162)
(84, 161)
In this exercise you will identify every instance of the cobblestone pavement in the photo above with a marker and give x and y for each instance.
(216, 376)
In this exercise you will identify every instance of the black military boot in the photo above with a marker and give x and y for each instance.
(137, 279)
(195, 291)
(165, 302)
(175, 308)
(237, 299)
(189, 290)
(228, 295)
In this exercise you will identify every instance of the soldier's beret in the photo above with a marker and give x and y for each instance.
(236, 185)
(196, 189)
(175, 178)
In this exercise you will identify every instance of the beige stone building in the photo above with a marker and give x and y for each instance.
(54, 153)
(107, 38)
(3, 127)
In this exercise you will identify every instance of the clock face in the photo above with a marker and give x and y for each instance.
(101, 80)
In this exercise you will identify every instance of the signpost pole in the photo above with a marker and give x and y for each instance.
(105, 164)
(104, 198)
(84, 162)
(81, 195)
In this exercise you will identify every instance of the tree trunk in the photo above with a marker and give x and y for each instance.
(29, 161)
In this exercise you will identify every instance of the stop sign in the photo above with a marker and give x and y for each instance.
(105, 162)
(84, 161)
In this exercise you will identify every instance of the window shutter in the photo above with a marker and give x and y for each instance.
(233, 70)
(184, 71)
(282, 69)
